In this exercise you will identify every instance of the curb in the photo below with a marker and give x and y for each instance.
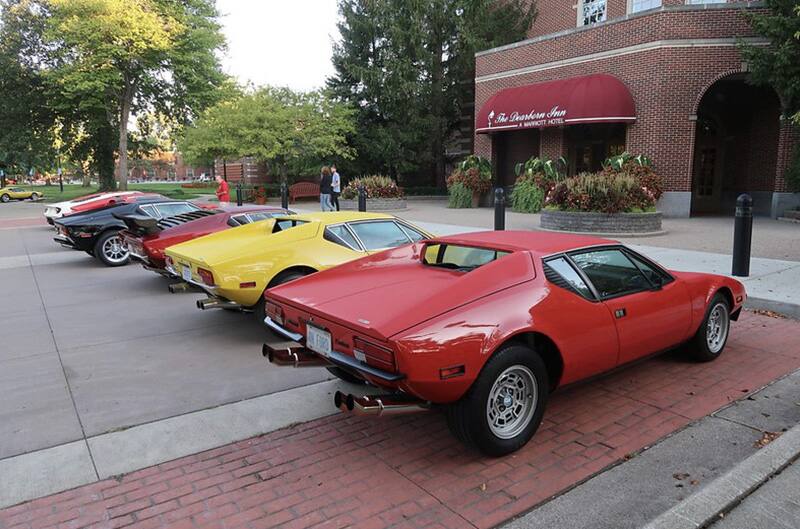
(790, 310)
(703, 508)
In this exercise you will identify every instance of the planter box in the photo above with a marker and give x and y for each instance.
(373, 204)
(590, 222)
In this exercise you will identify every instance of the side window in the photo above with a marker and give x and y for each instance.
(177, 208)
(611, 272)
(559, 272)
(237, 220)
(342, 236)
(413, 234)
(655, 276)
(377, 235)
(255, 217)
(150, 210)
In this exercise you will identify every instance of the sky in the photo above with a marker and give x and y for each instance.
(279, 42)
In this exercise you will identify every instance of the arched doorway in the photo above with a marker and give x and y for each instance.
(736, 146)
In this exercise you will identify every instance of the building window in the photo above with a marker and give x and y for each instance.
(591, 12)
(589, 145)
(644, 5)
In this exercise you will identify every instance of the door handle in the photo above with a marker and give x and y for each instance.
(620, 313)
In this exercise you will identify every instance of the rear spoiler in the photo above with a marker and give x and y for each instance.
(139, 224)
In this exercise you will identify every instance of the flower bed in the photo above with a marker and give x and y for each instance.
(619, 199)
(470, 180)
(383, 194)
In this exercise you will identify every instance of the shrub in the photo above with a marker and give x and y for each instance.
(474, 173)
(527, 196)
(377, 186)
(607, 192)
(640, 168)
(459, 196)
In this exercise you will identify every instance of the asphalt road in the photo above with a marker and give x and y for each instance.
(86, 349)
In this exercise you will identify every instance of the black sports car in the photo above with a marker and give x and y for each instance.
(97, 232)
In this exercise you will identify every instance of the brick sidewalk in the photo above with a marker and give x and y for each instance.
(345, 471)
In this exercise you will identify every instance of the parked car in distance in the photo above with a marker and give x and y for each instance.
(9, 193)
(88, 203)
(489, 323)
(235, 266)
(97, 232)
(148, 238)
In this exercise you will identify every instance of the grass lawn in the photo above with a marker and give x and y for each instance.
(53, 194)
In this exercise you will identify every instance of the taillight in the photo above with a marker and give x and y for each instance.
(374, 355)
(275, 312)
(206, 276)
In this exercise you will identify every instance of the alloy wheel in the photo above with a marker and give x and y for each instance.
(512, 402)
(717, 327)
(115, 249)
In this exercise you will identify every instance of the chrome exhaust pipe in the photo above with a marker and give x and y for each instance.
(216, 303)
(292, 356)
(380, 405)
(175, 288)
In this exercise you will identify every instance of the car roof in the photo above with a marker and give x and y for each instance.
(541, 243)
(334, 217)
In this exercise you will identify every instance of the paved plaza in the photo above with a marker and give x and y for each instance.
(122, 404)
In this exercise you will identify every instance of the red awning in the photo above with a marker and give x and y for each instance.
(598, 98)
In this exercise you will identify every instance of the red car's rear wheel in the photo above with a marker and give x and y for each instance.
(504, 407)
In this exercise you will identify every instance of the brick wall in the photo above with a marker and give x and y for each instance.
(667, 82)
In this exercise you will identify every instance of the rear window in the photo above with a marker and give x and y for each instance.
(285, 224)
(455, 257)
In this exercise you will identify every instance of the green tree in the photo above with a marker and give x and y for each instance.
(778, 63)
(408, 67)
(104, 61)
(26, 120)
(274, 125)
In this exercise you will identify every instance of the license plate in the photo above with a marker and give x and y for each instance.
(186, 273)
(318, 340)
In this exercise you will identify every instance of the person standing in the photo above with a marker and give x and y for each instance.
(223, 191)
(325, 189)
(336, 187)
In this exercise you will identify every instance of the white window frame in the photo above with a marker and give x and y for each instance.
(632, 2)
(582, 3)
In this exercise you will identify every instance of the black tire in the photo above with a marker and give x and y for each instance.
(34, 196)
(468, 418)
(709, 342)
(4, 197)
(110, 256)
(259, 309)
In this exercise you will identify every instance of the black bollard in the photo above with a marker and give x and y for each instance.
(239, 193)
(742, 235)
(499, 209)
(284, 195)
(362, 198)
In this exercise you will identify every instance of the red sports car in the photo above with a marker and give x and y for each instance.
(490, 323)
(147, 238)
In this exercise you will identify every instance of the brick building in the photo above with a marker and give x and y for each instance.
(657, 77)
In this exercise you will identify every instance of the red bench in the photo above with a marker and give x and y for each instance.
(303, 190)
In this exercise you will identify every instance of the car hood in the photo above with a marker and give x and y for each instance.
(390, 292)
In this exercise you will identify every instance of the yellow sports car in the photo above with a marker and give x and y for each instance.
(10, 193)
(235, 266)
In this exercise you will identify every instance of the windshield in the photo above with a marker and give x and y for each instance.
(463, 258)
